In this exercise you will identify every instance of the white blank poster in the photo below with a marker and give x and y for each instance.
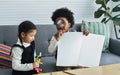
(76, 49)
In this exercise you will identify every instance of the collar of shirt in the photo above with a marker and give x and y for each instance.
(24, 43)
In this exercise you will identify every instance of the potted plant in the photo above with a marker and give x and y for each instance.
(104, 9)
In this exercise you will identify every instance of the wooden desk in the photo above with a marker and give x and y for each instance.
(113, 69)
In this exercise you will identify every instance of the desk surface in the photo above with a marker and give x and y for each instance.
(113, 69)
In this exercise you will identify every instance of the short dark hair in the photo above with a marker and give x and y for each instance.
(63, 12)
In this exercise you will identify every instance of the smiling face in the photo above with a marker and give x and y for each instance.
(29, 36)
(65, 22)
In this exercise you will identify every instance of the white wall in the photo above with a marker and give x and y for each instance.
(12, 12)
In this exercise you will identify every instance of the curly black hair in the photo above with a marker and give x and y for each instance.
(63, 12)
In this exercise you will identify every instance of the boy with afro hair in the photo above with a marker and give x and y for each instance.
(63, 19)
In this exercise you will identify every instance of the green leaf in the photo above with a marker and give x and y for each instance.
(115, 0)
(116, 8)
(107, 20)
(104, 4)
(116, 19)
(105, 10)
(117, 23)
(99, 1)
(98, 13)
(103, 20)
(116, 16)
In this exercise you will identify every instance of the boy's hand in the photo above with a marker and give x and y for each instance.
(59, 34)
(85, 32)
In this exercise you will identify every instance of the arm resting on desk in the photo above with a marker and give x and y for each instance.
(114, 46)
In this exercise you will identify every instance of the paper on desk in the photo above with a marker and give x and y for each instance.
(76, 49)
